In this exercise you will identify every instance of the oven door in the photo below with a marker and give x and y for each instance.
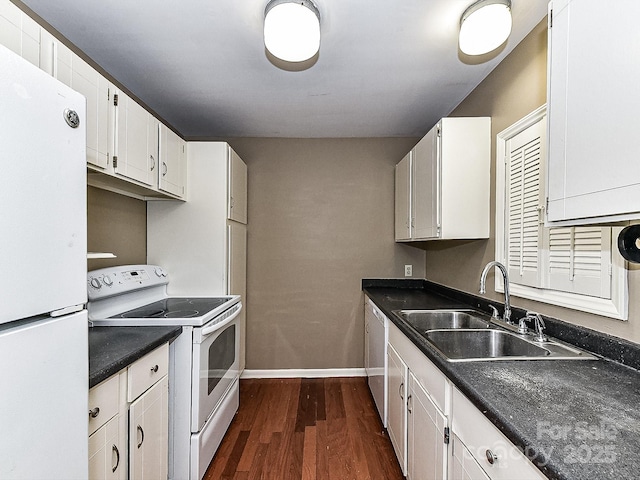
(216, 350)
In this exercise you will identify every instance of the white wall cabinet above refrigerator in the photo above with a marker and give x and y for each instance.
(593, 174)
(19, 33)
(137, 170)
(442, 185)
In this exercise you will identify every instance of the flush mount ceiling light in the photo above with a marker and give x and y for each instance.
(292, 29)
(484, 26)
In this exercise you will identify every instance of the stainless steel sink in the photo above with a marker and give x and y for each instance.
(492, 344)
(425, 320)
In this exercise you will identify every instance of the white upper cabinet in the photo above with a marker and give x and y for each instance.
(593, 174)
(18, 32)
(136, 144)
(442, 185)
(123, 141)
(173, 162)
(403, 199)
(237, 201)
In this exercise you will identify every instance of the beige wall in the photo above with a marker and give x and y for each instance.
(116, 224)
(515, 88)
(320, 219)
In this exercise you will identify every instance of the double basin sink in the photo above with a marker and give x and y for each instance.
(468, 335)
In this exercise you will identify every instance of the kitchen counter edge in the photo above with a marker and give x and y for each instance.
(112, 349)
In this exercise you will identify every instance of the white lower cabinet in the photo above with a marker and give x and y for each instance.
(426, 435)
(148, 433)
(105, 450)
(397, 406)
(436, 432)
(136, 397)
(417, 424)
(497, 456)
(463, 465)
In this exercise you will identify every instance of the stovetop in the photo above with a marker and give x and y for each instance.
(175, 307)
(136, 295)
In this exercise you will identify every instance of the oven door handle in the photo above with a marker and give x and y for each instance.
(209, 330)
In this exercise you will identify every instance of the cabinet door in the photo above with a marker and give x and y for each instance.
(148, 433)
(106, 454)
(463, 465)
(397, 414)
(426, 194)
(19, 32)
(95, 88)
(403, 214)
(593, 140)
(237, 276)
(426, 450)
(172, 154)
(237, 188)
(136, 141)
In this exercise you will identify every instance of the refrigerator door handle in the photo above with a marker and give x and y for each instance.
(67, 310)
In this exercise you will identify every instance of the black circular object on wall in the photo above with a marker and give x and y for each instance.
(629, 243)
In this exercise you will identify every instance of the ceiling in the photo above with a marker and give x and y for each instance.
(386, 68)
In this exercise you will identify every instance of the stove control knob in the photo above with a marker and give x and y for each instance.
(95, 283)
(160, 272)
(107, 280)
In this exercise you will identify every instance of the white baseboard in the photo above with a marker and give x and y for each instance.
(305, 373)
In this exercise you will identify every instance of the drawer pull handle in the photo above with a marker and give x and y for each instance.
(114, 449)
(491, 457)
(93, 413)
(154, 369)
(139, 428)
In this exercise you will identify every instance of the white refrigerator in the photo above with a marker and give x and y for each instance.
(43, 323)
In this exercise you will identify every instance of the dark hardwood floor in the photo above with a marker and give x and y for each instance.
(290, 429)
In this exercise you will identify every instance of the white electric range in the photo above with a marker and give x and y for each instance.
(204, 359)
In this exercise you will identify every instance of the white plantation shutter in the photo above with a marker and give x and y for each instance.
(580, 260)
(524, 201)
(573, 267)
(572, 259)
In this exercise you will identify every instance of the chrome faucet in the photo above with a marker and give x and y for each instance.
(507, 300)
(539, 325)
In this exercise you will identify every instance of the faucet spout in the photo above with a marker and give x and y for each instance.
(505, 275)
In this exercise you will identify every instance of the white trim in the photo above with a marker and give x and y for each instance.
(305, 373)
(616, 307)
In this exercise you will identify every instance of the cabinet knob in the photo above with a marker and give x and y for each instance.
(93, 413)
(154, 369)
(491, 457)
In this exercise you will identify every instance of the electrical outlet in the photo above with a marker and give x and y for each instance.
(408, 270)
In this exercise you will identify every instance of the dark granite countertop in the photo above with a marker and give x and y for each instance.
(576, 419)
(113, 348)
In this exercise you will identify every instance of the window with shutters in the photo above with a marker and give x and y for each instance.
(573, 267)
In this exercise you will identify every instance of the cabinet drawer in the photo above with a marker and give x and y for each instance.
(146, 371)
(103, 402)
(480, 435)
